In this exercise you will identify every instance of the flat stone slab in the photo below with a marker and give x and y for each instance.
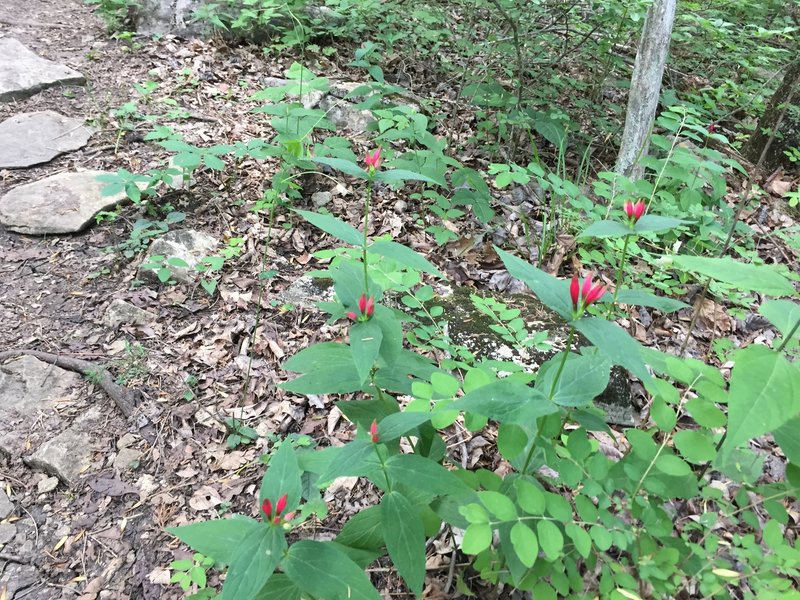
(29, 387)
(23, 73)
(63, 203)
(46, 134)
(68, 454)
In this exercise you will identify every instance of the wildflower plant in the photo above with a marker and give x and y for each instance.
(588, 524)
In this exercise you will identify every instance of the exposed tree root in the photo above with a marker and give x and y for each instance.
(125, 399)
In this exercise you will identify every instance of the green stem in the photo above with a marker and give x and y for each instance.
(366, 227)
(789, 335)
(563, 362)
(618, 283)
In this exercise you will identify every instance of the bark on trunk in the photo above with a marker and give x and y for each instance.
(788, 134)
(645, 87)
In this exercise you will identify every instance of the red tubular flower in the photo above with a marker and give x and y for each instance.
(574, 288)
(373, 432)
(589, 294)
(366, 308)
(281, 504)
(634, 211)
(373, 161)
(266, 506)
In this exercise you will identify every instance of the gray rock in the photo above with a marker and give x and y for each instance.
(120, 312)
(306, 292)
(15, 578)
(167, 16)
(23, 73)
(7, 532)
(63, 203)
(321, 199)
(47, 134)
(188, 245)
(126, 458)
(28, 387)
(69, 453)
(469, 327)
(6, 506)
(309, 99)
(345, 115)
(48, 484)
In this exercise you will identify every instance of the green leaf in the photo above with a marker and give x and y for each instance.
(656, 224)
(579, 537)
(279, 587)
(363, 530)
(758, 278)
(582, 380)
(601, 537)
(643, 298)
(328, 369)
(530, 497)
(764, 394)
(218, 539)
(355, 459)
(784, 314)
(605, 229)
(396, 175)
(365, 340)
(405, 256)
(506, 401)
(499, 505)
(525, 544)
(345, 166)
(333, 226)
(551, 539)
(672, 465)
(405, 539)
(616, 344)
(253, 563)
(283, 476)
(477, 538)
(553, 292)
(323, 570)
(423, 474)
(788, 440)
(399, 424)
(695, 446)
(511, 440)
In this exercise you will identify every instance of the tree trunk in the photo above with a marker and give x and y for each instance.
(788, 135)
(645, 87)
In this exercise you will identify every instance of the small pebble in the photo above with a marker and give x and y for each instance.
(400, 206)
(47, 485)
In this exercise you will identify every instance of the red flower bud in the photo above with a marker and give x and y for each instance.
(589, 294)
(362, 304)
(373, 432)
(370, 306)
(373, 161)
(633, 211)
(281, 504)
(574, 289)
(266, 506)
(712, 128)
(352, 316)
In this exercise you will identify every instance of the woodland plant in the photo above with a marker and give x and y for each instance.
(567, 519)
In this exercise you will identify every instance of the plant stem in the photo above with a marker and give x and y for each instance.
(366, 226)
(563, 362)
(619, 273)
(789, 335)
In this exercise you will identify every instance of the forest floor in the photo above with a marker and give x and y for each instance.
(192, 361)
